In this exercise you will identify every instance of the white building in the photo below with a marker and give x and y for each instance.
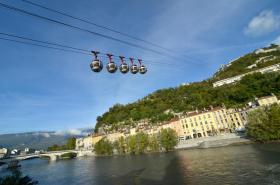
(15, 152)
(3, 152)
(268, 69)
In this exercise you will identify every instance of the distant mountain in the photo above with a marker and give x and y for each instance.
(40, 140)
(163, 104)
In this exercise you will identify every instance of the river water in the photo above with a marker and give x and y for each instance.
(245, 164)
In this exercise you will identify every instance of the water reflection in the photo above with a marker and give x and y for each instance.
(248, 164)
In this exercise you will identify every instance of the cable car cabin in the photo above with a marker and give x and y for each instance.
(112, 67)
(134, 69)
(96, 66)
(124, 68)
(142, 69)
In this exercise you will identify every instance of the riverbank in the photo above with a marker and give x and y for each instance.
(215, 141)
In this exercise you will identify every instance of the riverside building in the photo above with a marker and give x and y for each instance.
(237, 118)
(203, 123)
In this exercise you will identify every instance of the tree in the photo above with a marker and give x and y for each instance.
(17, 179)
(132, 144)
(120, 146)
(103, 147)
(168, 139)
(142, 142)
(154, 143)
(71, 143)
(264, 123)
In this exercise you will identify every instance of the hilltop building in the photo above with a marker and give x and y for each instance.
(267, 100)
(268, 69)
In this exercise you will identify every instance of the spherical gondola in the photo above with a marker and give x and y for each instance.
(96, 65)
(133, 68)
(124, 68)
(142, 69)
(111, 66)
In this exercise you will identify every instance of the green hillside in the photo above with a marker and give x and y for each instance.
(158, 106)
(240, 65)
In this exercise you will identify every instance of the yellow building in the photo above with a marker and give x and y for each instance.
(203, 123)
(237, 118)
(267, 100)
(172, 124)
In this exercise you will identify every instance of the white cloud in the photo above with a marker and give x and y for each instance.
(277, 40)
(266, 22)
(71, 132)
(43, 134)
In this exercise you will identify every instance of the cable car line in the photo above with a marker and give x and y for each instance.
(83, 51)
(44, 46)
(95, 24)
(44, 42)
(65, 50)
(91, 32)
(78, 28)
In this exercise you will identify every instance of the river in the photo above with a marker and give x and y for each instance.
(244, 164)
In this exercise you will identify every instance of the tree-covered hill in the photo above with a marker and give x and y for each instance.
(240, 65)
(158, 106)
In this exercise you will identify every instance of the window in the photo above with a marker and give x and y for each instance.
(200, 123)
(186, 125)
(196, 124)
(192, 124)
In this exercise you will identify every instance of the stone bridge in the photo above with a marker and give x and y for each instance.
(57, 154)
(53, 156)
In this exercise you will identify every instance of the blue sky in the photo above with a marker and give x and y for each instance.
(43, 89)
